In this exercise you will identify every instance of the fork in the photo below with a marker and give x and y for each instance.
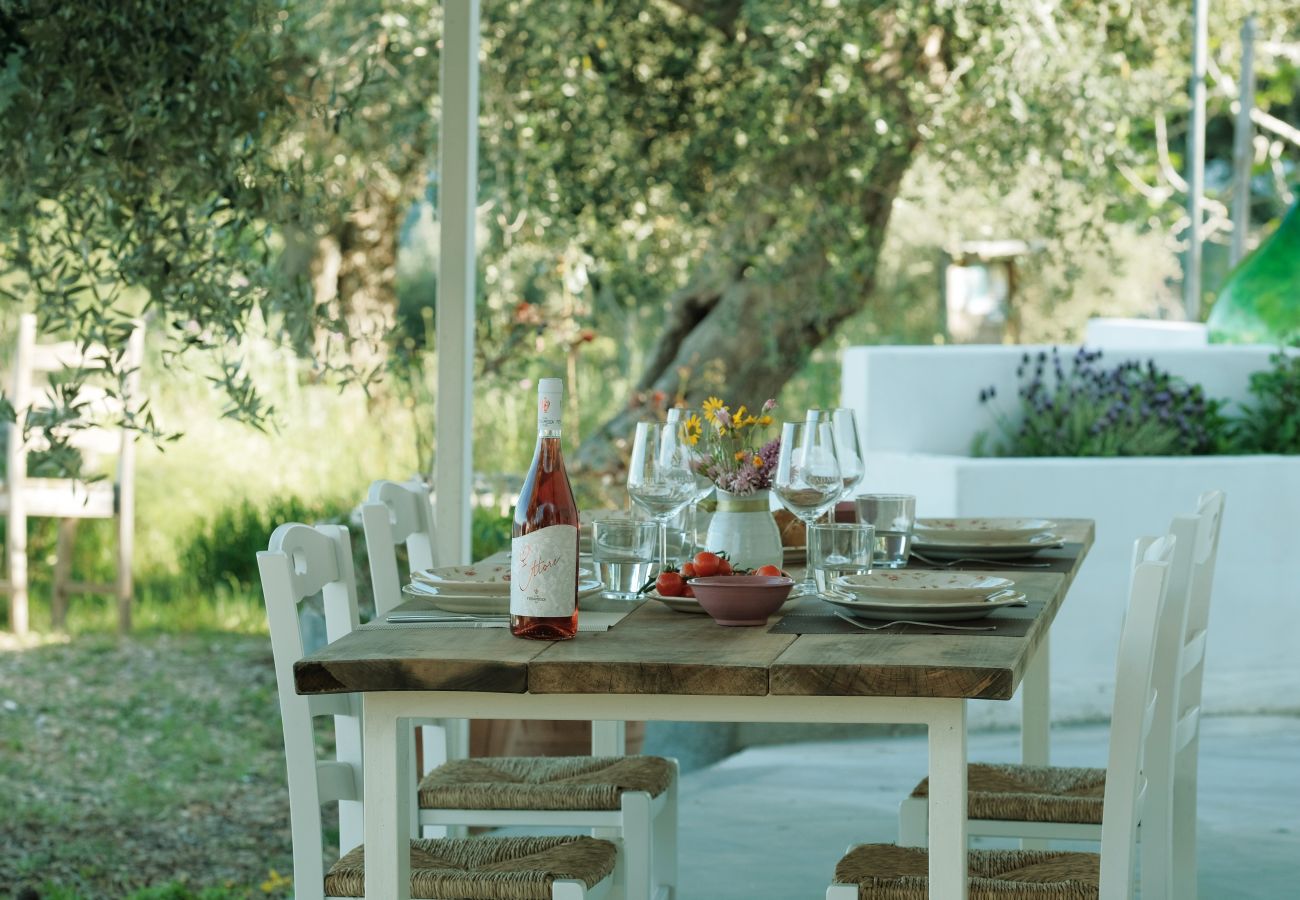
(999, 563)
(884, 625)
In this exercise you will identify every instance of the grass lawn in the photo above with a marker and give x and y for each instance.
(152, 760)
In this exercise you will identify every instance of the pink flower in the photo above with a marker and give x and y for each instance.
(724, 417)
(769, 405)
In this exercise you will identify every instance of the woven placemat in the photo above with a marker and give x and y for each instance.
(820, 618)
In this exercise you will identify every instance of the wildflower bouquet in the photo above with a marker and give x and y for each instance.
(732, 449)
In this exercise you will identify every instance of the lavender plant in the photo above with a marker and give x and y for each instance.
(1074, 406)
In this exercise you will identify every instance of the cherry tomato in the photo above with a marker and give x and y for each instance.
(689, 571)
(688, 591)
(767, 570)
(707, 563)
(670, 584)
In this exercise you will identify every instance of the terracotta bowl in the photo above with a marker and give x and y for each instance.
(741, 599)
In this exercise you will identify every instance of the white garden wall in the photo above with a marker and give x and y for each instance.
(918, 409)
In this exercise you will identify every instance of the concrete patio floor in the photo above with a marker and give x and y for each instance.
(770, 822)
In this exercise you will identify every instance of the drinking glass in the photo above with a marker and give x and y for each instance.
(659, 477)
(848, 451)
(839, 549)
(894, 516)
(623, 550)
(807, 480)
(690, 423)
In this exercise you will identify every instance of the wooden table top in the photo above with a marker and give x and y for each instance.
(655, 650)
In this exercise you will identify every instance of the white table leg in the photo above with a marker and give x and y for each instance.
(608, 738)
(387, 804)
(948, 800)
(1036, 707)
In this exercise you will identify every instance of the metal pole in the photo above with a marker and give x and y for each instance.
(1242, 149)
(1196, 162)
(457, 196)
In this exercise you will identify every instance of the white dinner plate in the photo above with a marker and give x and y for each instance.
(944, 550)
(926, 612)
(919, 587)
(679, 604)
(482, 578)
(453, 600)
(981, 531)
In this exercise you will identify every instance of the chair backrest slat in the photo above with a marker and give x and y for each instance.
(1133, 713)
(396, 513)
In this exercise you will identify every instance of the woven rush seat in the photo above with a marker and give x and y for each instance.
(1031, 793)
(543, 782)
(517, 868)
(888, 872)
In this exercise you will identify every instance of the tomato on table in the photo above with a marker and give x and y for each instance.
(670, 584)
(707, 564)
(769, 569)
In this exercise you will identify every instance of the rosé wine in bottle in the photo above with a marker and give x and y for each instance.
(544, 550)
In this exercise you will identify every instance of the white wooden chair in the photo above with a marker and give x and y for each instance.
(65, 499)
(632, 800)
(301, 562)
(399, 513)
(1060, 803)
(891, 872)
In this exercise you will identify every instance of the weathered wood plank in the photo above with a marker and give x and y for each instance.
(658, 651)
(973, 665)
(419, 659)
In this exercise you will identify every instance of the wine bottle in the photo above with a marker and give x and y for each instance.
(544, 549)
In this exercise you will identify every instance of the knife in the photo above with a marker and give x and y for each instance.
(445, 619)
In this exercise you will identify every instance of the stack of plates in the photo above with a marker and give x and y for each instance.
(984, 538)
(478, 589)
(924, 596)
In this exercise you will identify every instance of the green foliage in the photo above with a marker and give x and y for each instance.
(137, 172)
(1272, 423)
(224, 550)
(489, 532)
(1076, 408)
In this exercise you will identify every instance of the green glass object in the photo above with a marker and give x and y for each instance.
(1260, 300)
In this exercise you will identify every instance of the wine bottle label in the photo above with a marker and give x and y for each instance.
(544, 571)
(550, 400)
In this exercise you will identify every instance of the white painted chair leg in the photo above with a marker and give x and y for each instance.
(608, 738)
(568, 890)
(636, 845)
(665, 843)
(913, 822)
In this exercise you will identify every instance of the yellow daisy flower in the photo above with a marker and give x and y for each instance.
(740, 455)
(711, 407)
(692, 430)
(758, 461)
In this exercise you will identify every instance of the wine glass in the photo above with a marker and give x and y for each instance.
(690, 424)
(848, 451)
(659, 477)
(807, 480)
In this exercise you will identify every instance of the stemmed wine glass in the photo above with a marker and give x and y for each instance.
(660, 478)
(807, 480)
(690, 424)
(848, 451)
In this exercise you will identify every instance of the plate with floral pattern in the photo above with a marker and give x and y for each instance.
(917, 587)
(483, 578)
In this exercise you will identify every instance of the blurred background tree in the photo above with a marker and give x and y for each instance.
(675, 197)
